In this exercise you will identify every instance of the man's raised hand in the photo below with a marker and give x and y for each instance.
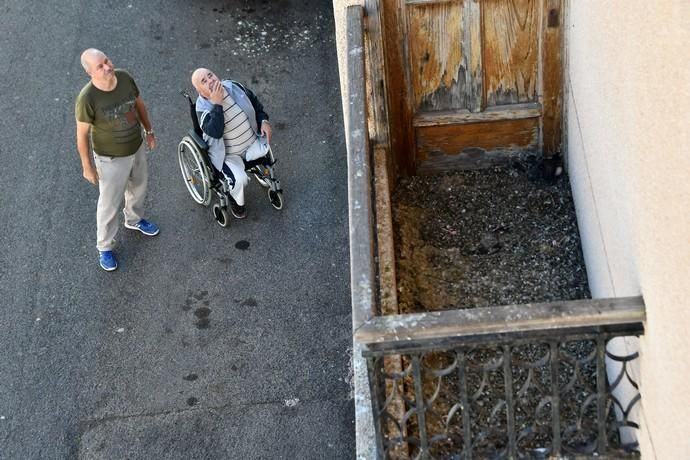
(217, 94)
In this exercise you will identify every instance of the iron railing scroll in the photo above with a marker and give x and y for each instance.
(516, 382)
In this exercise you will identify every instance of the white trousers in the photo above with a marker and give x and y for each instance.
(258, 149)
(118, 178)
(236, 165)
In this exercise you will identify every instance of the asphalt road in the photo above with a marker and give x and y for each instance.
(193, 348)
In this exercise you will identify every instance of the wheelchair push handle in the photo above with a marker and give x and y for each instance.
(192, 112)
(186, 95)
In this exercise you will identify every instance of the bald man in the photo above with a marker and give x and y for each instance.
(236, 128)
(110, 115)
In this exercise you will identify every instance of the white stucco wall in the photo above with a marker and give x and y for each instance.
(628, 131)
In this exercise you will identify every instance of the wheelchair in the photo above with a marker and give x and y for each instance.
(204, 181)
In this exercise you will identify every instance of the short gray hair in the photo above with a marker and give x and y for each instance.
(89, 52)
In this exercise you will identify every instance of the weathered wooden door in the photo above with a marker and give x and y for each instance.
(471, 82)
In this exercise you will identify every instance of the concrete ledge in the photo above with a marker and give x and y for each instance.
(361, 223)
(505, 320)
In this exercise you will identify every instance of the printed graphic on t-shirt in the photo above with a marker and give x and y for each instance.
(122, 121)
(120, 115)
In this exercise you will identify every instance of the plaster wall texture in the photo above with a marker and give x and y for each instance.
(628, 134)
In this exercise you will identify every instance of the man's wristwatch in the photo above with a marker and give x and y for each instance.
(149, 132)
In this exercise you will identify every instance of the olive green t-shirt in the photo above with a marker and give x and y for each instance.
(115, 128)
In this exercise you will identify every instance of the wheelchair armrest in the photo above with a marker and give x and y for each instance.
(198, 140)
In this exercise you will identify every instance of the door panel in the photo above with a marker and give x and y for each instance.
(479, 145)
(511, 51)
(435, 56)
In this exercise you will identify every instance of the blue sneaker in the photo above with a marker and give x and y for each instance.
(107, 260)
(145, 227)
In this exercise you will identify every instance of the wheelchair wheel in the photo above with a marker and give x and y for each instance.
(276, 199)
(194, 171)
(221, 215)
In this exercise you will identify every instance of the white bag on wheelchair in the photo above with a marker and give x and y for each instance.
(258, 149)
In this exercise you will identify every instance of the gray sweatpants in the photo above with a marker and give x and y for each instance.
(118, 178)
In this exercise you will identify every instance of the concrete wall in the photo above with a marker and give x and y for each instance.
(361, 308)
(628, 144)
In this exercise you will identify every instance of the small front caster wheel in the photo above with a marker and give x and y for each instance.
(276, 199)
(221, 215)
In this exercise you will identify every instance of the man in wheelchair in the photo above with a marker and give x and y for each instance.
(235, 128)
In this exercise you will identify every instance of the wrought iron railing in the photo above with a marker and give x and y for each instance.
(524, 381)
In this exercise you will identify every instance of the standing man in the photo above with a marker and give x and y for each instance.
(235, 127)
(110, 113)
